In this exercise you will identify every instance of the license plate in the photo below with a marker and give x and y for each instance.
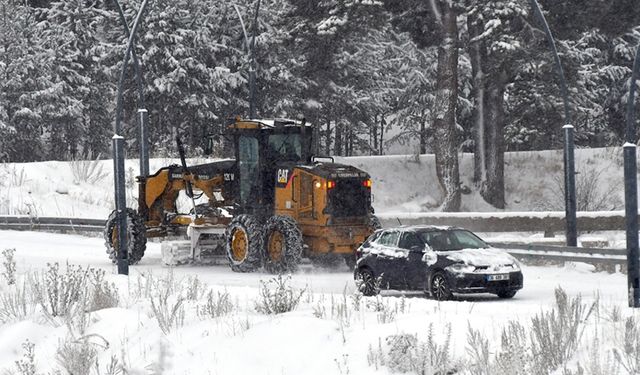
(498, 277)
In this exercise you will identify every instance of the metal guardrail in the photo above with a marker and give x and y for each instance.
(51, 224)
(522, 251)
(509, 221)
(563, 253)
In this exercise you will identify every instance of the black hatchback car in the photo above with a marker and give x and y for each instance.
(438, 260)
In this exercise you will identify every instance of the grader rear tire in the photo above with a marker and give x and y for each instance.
(244, 243)
(136, 236)
(283, 244)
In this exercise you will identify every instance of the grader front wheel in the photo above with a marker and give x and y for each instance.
(244, 243)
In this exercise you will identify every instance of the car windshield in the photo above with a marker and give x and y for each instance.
(450, 240)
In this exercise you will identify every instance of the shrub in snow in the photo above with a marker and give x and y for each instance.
(629, 355)
(89, 171)
(386, 312)
(77, 356)
(9, 266)
(319, 309)
(401, 352)
(27, 365)
(168, 314)
(16, 178)
(15, 304)
(340, 309)
(478, 353)
(195, 289)
(591, 193)
(514, 356)
(104, 295)
(555, 335)
(277, 296)
(216, 305)
(58, 292)
(405, 353)
(595, 365)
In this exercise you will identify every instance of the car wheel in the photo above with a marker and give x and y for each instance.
(366, 282)
(439, 287)
(506, 294)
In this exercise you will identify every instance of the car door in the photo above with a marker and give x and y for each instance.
(388, 263)
(414, 269)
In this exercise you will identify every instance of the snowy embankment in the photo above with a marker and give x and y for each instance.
(403, 184)
(209, 320)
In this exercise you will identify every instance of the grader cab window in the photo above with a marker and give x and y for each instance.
(285, 147)
(248, 166)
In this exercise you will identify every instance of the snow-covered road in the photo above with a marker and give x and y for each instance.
(311, 340)
(35, 249)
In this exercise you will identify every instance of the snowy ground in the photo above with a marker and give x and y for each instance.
(329, 333)
(333, 330)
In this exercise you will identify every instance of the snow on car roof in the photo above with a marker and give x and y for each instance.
(423, 227)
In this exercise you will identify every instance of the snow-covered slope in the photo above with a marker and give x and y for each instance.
(402, 183)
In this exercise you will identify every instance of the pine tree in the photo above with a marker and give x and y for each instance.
(24, 69)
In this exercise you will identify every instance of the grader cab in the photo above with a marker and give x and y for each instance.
(270, 207)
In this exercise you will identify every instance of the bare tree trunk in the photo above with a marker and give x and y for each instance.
(373, 135)
(383, 123)
(493, 188)
(328, 138)
(423, 132)
(478, 54)
(337, 147)
(445, 140)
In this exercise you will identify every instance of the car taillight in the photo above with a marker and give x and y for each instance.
(367, 183)
(331, 184)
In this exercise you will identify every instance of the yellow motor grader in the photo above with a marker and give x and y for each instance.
(271, 206)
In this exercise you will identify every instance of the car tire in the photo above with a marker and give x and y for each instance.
(439, 287)
(506, 294)
(366, 282)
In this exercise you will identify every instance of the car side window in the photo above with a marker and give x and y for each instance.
(409, 240)
(389, 239)
(438, 240)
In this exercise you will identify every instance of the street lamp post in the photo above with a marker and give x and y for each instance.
(251, 57)
(569, 159)
(118, 149)
(631, 192)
